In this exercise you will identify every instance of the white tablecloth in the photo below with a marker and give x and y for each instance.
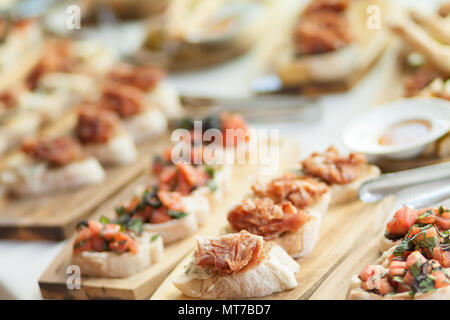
(22, 262)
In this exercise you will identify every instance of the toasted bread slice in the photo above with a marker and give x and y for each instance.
(301, 243)
(222, 182)
(113, 265)
(342, 193)
(165, 97)
(275, 273)
(37, 179)
(118, 150)
(175, 229)
(146, 125)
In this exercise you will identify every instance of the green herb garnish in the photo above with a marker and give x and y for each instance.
(177, 214)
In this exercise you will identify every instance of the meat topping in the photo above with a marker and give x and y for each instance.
(334, 168)
(230, 253)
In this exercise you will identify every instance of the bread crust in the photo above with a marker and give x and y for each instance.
(275, 273)
(146, 125)
(175, 229)
(112, 265)
(165, 97)
(37, 179)
(118, 150)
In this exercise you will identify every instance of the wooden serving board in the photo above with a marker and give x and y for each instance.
(54, 217)
(342, 229)
(143, 284)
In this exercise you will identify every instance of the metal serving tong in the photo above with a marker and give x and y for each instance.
(266, 108)
(393, 183)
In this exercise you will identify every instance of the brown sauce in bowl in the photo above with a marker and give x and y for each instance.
(405, 132)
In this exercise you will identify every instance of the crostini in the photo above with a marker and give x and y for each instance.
(141, 120)
(237, 266)
(329, 45)
(108, 250)
(47, 164)
(102, 136)
(343, 174)
(407, 217)
(418, 267)
(287, 210)
(150, 81)
(166, 213)
(211, 181)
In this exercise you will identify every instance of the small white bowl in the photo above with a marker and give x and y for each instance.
(362, 134)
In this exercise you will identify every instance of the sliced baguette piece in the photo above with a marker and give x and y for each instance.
(166, 98)
(342, 193)
(113, 265)
(386, 244)
(34, 179)
(175, 229)
(222, 180)
(118, 150)
(146, 125)
(275, 273)
(199, 205)
(301, 243)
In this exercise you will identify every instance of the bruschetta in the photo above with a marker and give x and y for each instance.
(141, 120)
(166, 213)
(102, 136)
(330, 45)
(48, 164)
(343, 174)
(237, 266)
(211, 181)
(108, 250)
(150, 81)
(287, 210)
(418, 267)
(407, 217)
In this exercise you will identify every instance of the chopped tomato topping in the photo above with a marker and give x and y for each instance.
(104, 237)
(403, 219)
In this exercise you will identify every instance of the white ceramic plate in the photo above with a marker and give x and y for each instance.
(363, 133)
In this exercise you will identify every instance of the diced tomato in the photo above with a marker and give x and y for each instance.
(441, 280)
(160, 215)
(385, 287)
(172, 200)
(415, 257)
(403, 219)
(397, 268)
(408, 279)
(443, 257)
(371, 270)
